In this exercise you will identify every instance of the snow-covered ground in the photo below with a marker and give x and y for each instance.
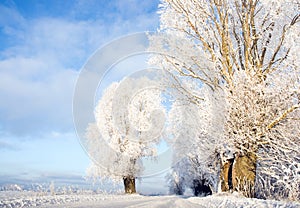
(90, 200)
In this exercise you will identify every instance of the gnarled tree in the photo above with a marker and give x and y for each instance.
(248, 49)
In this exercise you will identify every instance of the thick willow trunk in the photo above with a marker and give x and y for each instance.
(244, 173)
(129, 184)
(238, 174)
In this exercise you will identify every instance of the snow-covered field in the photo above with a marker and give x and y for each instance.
(89, 200)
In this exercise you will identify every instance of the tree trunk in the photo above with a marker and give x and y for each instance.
(244, 173)
(226, 175)
(200, 188)
(129, 184)
(238, 174)
(177, 189)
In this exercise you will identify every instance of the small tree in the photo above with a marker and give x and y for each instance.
(175, 180)
(52, 188)
(125, 131)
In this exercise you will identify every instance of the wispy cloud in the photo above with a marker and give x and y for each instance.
(42, 56)
(6, 145)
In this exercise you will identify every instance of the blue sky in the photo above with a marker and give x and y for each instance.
(43, 45)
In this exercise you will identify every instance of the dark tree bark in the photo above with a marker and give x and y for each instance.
(200, 188)
(226, 175)
(129, 184)
(230, 183)
(177, 189)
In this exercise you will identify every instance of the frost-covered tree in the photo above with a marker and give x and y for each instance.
(176, 177)
(194, 141)
(246, 52)
(52, 188)
(187, 173)
(126, 130)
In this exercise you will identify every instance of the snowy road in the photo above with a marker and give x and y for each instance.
(8, 199)
(143, 202)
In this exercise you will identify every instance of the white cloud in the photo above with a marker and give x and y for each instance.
(7, 145)
(31, 106)
(14, 17)
(38, 72)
